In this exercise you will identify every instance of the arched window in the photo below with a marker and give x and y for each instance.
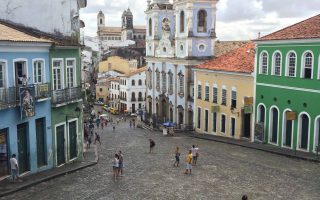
(133, 96)
(307, 65)
(277, 64)
(264, 63)
(140, 95)
(133, 83)
(150, 27)
(304, 129)
(181, 22)
(274, 125)
(134, 37)
(100, 21)
(291, 64)
(164, 81)
(202, 21)
(140, 82)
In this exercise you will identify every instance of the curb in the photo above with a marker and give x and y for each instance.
(260, 149)
(46, 179)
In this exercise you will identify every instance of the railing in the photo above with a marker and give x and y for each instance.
(9, 97)
(66, 95)
(140, 99)
(42, 91)
(133, 99)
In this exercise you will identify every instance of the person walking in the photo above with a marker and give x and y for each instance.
(115, 166)
(134, 123)
(189, 163)
(130, 123)
(177, 157)
(14, 169)
(97, 138)
(98, 122)
(120, 172)
(193, 151)
(197, 154)
(152, 144)
(113, 126)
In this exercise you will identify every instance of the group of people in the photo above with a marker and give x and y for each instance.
(117, 165)
(191, 158)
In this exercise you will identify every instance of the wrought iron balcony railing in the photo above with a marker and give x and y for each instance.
(66, 96)
(133, 99)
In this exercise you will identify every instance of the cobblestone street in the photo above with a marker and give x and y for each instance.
(223, 172)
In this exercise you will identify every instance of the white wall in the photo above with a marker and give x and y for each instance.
(50, 16)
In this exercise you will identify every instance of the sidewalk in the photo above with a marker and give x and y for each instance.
(90, 159)
(258, 146)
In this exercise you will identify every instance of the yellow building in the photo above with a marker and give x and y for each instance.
(116, 63)
(224, 89)
(102, 91)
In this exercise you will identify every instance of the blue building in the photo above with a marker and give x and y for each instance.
(180, 35)
(25, 106)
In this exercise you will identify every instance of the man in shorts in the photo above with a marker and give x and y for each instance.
(14, 169)
(189, 162)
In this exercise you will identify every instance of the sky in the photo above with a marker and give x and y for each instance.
(236, 19)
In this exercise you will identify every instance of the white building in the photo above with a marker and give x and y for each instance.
(133, 91)
(44, 16)
(180, 35)
(114, 92)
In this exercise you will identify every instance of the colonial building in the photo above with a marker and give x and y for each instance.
(179, 36)
(133, 91)
(114, 93)
(117, 63)
(287, 86)
(25, 107)
(224, 94)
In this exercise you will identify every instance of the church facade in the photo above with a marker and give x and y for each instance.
(180, 35)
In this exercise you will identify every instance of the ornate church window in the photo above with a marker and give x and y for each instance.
(150, 78)
(150, 27)
(181, 84)
(170, 91)
(181, 22)
(202, 21)
(157, 80)
(164, 81)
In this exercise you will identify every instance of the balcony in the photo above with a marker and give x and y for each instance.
(133, 99)
(140, 99)
(42, 91)
(9, 97)
(123, 98)
(66, 96)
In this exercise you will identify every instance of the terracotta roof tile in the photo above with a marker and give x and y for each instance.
(240, 60)
(222, 47)
(10, 34)
(307, 29)
(111, 29)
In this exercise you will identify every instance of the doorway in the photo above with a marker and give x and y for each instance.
(73, 139)
(20, 70)
(61, 159)
(247, 125)
(4, 153)
(304, 132)
(41, 142)
(274, 122)
(288, 128)
(23, 153)
(233, 126)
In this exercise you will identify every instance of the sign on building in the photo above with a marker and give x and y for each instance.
(27, 107)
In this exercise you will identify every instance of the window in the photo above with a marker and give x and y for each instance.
(2, 75)
(224, 97)
(38, 67)
(206, 120)
(214, 122)
(133, 83)
(202, 21)
(181, 22)
(291, 61)
(264, 63)
(307, 66)
(181, 83)
(199, 91)
(223, 123)
(149, 78)
(70, 73)
(277, 64)
(170, 82)
(215, 94)
(57, 74)
(234, 99)
(100, 89)
(164, 81)
(158, 79)
(207, 93)
(150, 27)
(199, 118)
(140, 82)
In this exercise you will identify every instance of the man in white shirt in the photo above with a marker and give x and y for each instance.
(24, 80)
(14, 168)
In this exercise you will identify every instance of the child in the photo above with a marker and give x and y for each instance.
(177, 156)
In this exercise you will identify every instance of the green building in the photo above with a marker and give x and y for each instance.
(287, 92)
(66, 101)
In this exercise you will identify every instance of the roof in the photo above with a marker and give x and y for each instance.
(139, 27)
(222, 47)
(240, 60)
(111, 29)
(307, 29)
(13, 35)
(142, 69)
(115, 79)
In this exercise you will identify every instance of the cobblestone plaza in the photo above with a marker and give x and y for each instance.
(223, 172)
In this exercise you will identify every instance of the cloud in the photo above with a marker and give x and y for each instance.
(236, 19)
